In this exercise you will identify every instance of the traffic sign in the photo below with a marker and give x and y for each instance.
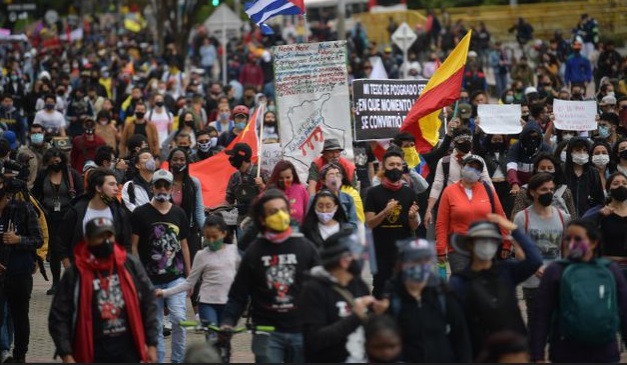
(404, 37)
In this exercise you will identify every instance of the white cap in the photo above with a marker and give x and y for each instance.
(472, 54)
(608, 100)
(530, 90)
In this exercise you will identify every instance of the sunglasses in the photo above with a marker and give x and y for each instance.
(162, 184)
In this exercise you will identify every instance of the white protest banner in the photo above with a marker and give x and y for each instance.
(575, 115)
(271, 154)
(499, 119)
(312, 97)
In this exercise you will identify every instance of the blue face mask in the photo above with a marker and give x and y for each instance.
(604, 131)
(240, 125)
(418, 273)
(37, 138)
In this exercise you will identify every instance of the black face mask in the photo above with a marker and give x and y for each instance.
(103, 250)
(531, 145)
(178, 168)
(139, 115)
(619, 194)
(355, 267)
(160, 103)
(495, 147)
(623, 154)
(236, 162)
(545, 199)
(393, 175)
(56, 167)
(463, 147)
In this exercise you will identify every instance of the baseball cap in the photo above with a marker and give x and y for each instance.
(465, 110)
(608, 100)
(415, 249)
(11, 138)
(241, 149)
(97, 226)
(162, 174)
(472, 158)
(530, 90)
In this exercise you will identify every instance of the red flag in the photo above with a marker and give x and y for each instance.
(214, 172)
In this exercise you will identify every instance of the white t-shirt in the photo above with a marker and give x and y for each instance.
(51, 122)
(95, 213)
(161, 120)
(327, 231)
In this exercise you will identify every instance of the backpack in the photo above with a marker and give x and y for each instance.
(588, 308)
(246, 190)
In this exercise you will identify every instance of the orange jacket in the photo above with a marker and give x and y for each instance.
(457, 213)
(152, 137)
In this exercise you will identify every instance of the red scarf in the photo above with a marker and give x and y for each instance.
(88, 265)
(392, 186)
(277, 238)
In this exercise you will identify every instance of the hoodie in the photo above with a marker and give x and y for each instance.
(522, 154)
(332, 332)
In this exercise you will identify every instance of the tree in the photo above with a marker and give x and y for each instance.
(174, 18)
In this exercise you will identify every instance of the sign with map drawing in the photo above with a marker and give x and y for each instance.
(311, 82)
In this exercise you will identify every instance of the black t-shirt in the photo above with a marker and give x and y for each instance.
(614, 237)
(396, 225)
(363, 156)
(141, 129)
(112, 334)
(160, 237)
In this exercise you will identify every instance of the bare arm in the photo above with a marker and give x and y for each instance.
(186, 258)
(134, 242)
(311, 187)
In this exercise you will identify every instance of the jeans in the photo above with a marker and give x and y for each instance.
(176, 305)
(278, 347)
(501, 83)
(211, 313)
(6, 331)
(18, 291)
(457, 261)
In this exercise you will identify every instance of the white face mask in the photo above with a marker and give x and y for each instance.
(563, 156)
(325, 217)
(580, 158)
(600, 160)
(485, 249)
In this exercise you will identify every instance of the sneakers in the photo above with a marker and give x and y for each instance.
(5, 356)
(167, 326)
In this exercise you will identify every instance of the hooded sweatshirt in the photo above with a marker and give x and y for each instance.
(330, 328)
(522, 154)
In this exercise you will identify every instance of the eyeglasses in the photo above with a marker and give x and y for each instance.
(162, 184)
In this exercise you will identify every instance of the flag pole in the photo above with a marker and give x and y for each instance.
(262, 110)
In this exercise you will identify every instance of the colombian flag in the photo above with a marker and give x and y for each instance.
(442, 89)
(214, 172)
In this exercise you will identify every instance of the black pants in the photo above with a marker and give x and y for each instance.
(17, 291)
(53, 247)
(384, 273)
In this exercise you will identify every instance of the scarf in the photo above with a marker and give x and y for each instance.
(87, 265)
(392, 186)
(277, 238)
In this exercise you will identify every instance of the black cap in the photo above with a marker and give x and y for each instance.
(473, 158)
(98, 226)
(338, 244)
(241, 149)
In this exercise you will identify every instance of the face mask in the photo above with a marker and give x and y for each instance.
(49, 106)
(160, 104)
(567, 136)
(411, 157)
(325, 217)
(240, 125)
(150, 165)
(14, 78)
(545, 199)
(619, 194)
(604, 131)
(224, 116)
(37, 138)
(213, 245)
(394, 175)
(89, 132)
(162, 197)
(496, 146)
(509, 99)
(189, 123)
(563, 156)
(463, 147)
(418, 273)
(236, 161)
(56, 167)
(139, 115)
(485, 249)
(103, 250)
(213, 141)
(355, 267)
(278, 222)
(580, 158)
(178, 168)
(470, 175)
(610, 93)
(333, 184)
(600, 160)
(578, 249)
(204, 147)
(623, 154)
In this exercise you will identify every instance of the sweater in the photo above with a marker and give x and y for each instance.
(298, 196)
(457, 212)
(216, 270)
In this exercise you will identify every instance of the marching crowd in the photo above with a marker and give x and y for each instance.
(96, 146)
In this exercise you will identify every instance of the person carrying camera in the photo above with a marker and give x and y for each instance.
(21, 237)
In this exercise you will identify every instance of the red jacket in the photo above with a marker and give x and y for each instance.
(349, 169)
(84, 150)
(251, 75)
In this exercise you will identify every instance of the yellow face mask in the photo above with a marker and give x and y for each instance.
(411, 157)
(279, 221)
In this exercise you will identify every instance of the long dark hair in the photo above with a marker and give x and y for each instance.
(278, 169)
(311, 219)
(188, 189)
(558, 177)
(569, 170)
(182, 121)
(610, 180)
